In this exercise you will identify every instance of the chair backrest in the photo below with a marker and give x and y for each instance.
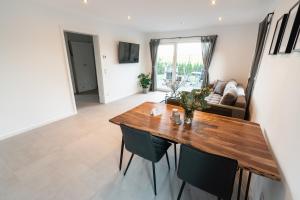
(138, 142)
(211, 173)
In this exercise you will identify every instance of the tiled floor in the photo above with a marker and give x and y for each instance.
(77, 158)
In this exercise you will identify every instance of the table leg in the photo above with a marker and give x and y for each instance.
(248, 185)
(121, 154)
(240, 184)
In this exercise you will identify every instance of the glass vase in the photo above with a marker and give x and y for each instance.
(188, 116)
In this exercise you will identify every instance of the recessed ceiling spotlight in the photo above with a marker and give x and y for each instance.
(129, 17)
(220, 18)
(85, 1)
(213, 2)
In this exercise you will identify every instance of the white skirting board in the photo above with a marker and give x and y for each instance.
(23, 130)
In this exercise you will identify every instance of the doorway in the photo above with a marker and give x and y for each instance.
(81, 57)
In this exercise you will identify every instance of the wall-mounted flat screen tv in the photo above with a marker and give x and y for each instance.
(128, 52)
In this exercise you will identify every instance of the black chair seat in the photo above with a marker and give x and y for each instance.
(211, 173)
(160, 146)
(145, 145)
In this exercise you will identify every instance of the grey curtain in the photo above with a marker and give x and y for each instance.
(154, 43)
(260, 43)
(208, 44)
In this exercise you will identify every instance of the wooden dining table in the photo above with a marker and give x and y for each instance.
(223, 136)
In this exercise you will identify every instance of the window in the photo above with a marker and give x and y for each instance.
(182, 62)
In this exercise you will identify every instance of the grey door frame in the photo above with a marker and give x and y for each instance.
(99, 69)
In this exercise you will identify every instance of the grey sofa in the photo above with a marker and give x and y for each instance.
(235, 108)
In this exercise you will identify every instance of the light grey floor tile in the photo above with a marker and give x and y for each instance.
(78, 157)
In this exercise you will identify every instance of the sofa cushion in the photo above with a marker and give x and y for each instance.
(229, 98)
(213, 98)
(240, 90)
(241, 100)
(219, 87)
(232, 84)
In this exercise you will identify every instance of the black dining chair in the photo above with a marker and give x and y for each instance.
(122, 152)
(211, 173)
(145, 145)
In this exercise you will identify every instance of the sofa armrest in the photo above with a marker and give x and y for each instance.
(230, 111)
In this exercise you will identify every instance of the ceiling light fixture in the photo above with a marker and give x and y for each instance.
(213, 2)
(220, 18)
(129, 17)
(85, 1)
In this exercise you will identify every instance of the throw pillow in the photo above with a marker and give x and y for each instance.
(240, 102)
(219, 87)
(229, 98)
(232, 84)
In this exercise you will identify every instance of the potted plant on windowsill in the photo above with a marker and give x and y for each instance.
(145, 81)
(191, 101)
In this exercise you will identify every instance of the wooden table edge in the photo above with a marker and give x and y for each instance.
(264, 174)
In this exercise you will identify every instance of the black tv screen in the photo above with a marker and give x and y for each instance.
(128, 52)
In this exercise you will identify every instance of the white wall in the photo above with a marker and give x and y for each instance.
(34, 77)
(275, 105)
(234, 49)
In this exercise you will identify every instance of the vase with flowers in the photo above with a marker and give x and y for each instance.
(191, 101)
(174, 87)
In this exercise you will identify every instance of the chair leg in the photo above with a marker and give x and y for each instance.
(175, 155)
(128, 164)
(168, 160)
(181, 189)
(248, 185)
(121, 154)
(154, 177)
(240, 184)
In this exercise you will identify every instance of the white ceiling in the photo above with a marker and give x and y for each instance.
(168, 15)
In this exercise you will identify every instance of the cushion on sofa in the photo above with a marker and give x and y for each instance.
(240, 90)
(240, 102)
(232, 84)
(229, 98)
(241, 99)
(213, 98)
(219, 87)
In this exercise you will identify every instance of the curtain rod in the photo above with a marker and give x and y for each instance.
(170, 38)
(184, 37)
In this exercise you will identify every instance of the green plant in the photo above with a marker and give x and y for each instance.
(183, 67)
(144, 80)
(194, 100)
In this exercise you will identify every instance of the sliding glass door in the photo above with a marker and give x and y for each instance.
(189, 65)
(165, 65)
(180, 62)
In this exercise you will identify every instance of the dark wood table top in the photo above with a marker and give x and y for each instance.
(224, 136)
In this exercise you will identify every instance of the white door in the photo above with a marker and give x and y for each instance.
(84, 66)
